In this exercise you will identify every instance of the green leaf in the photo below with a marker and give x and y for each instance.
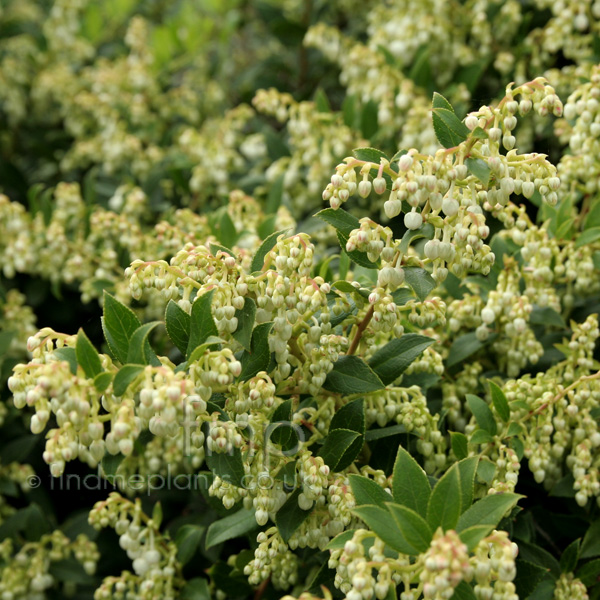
(483, 414)
(139, 343)
(227, 465)
(321, 101)
(245, 317)
(479, 134)
(396, 356)
(499, 401)
(413, 526)
(279, 431)
(110, 464)
(479, 168)
(589, 573)
(449, 129)
(202, 324)
(366, 491)
(590, 546)
(471, 536)
(371, 155)
(380, 522)
(546, 316)
(410, 484)
(351, 417)
(339, 541)
(258, 260)
(103, 380)
(467, 468)
(352, 375)
(118, 323)
(486, 470)
(589, 236)
(349, 111)
(438, 101)
(593, 217)
(420, 281)
(196, 589)
(70, 570)
(178, 324)
(274, 197)
(339, 219)
(463, 591)
(87, 356)
(459, 444)
(211, 343)
(368, 119)
(336, 444)
(226, 232)
(569, 558)
(230, 527)
(215, 248)
(481, 436)
(378, 434)
(488, 511)
(464, 346)
(259, 356)
(187, 541)
(68, 355)
(290, 516)
(124, 377)
(444, 506)
(425, 231)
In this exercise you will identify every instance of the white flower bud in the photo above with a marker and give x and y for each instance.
(450, 206)
(413, 220)
(379, 185)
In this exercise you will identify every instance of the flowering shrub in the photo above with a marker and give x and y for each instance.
(300, 338)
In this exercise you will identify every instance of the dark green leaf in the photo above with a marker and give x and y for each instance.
(215, 248)
(178, 324)
(336, 445)
(463, 591)
(321, 101)
(486, 470)
(483, 414)
(479, 168)
(339, 219)
(439, 101)
(499, 401)
(420, 281)
(227, 233)
(590, 546)
(569, 558)
(211, 343)
(202, 324)
(245, 317)
(377, 434)
(87, 356)
(471, 536)
(187, 541)
(260, 355)
(589, 573)
(290, 516)
(546, 316)
(71, 571)
(124, 377)
(479, 134)
(467, 468)
(368, 119)
(396, 356)
(413, 526)
(488, 511)
(538, 556)
(351, 416)
(366, 491)
(227, 465)
(371, 155)
(465, 346)
(380, 522)
(339, 541)
(196, 589)
(110, 464)
(425, 231)
(352, 375)
(138, 344)
(259, 258)
(481, 436)
(459, 444)
(444, 507)
(119, 323)
(449, 129)
(409, 483)
(274, 196)
(103, 380)
(230, 527)
(589, 236)
(68, 355)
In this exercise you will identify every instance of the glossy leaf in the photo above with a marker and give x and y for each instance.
(290, 516)
(410, 484)
(420, 281)
(178, 324)
(202, 324)
(245, 317)
(232, 526)
(483, 415)
(499, 401)
(259, 356)
(87, 356)
(352, 375)
(124, 377)
(258, 260)
(118, 323)
(366, 491)
(139, 343)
